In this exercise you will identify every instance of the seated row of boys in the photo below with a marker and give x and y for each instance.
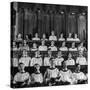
(43, 47)
(51, 37)
(37, 59)
(52, 76)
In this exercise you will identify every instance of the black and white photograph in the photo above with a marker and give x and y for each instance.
(49, 44)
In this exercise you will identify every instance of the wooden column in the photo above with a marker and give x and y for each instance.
(15, 6)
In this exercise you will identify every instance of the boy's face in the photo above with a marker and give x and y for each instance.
(36, 35)
(49, 52)
(64, 65)
(80, 54)
(75, 35)
(59, 54)
(24, 53)
(44, 36)
(52, 33)
(52, 43)
(20, 45)
(52, 63)
(37, 67)
(61, 35)
(73, 44)
(14, 43)
(82, 44)
(34, 45)
(37, 53)
(43, 43)
(26, 36)
(70, 35)
(78, 68)
(63, 44)
(19, 35)
(21, 67)
(25, 42)
(70, 55)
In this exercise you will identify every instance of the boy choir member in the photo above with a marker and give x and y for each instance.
(44, 37)
(14, 47)
(25, 59)
(59, 59)
(70, 61)
(78, 76)
(19, 37)
(70, 37)
(47, 59)
(61, 38)
(65, 75)
(52, 37)
(76, 39)
(73, 48)
(42, 47)
(37, 59)
(36, 38)
(36, 77)
(20, 47)
(21, 78)
(51, 75)
(25, 46)
(81, 59)
(53, 47)
(63, 48)
(81, 47)
(14, 61)
(34, 48)
(26, 37)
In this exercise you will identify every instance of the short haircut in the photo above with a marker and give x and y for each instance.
(20, 64)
